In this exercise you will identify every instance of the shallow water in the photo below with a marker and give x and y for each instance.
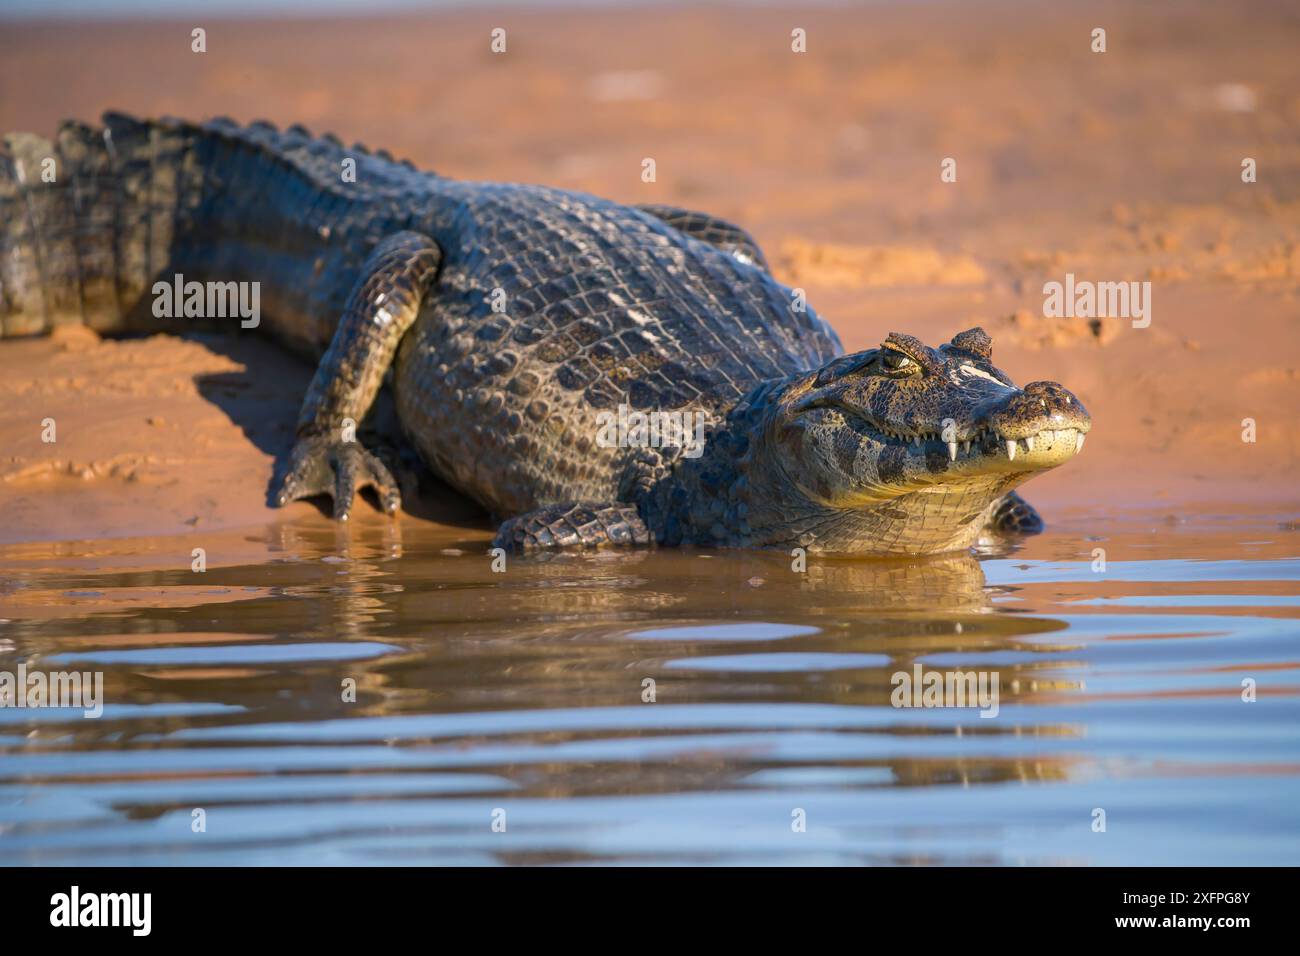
(517, 697)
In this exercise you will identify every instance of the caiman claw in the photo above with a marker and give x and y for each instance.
(323, 465)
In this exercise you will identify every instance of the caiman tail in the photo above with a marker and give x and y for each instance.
(90, 221)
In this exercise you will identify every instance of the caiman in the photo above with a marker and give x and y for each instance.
(506, 319)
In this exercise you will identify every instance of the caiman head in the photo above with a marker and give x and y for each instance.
(905, 449)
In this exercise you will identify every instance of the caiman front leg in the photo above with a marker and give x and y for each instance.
(575, 526)
(1014, 515)
(326, 460)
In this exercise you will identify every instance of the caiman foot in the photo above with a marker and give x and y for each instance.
(323, 465)
(573, 526)
(1014, 515)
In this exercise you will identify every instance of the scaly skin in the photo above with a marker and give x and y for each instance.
(510, 317)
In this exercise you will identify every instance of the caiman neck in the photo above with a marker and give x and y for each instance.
(734, 494)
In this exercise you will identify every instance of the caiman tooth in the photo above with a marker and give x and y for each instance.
(965, 447)
(1078, 443)
(1011, 449)
(952, 451)
(1029, 443)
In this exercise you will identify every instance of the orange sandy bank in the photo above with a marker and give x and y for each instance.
(1113, 167)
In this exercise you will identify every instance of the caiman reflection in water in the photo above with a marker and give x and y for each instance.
(374, 694)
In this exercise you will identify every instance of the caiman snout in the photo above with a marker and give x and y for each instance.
(1039, 426)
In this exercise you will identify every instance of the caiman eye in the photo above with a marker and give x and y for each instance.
(895, 361)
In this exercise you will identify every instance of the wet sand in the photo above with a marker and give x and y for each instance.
(1114, 167)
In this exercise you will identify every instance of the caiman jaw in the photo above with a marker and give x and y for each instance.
(1034, 431)
(991, 450)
